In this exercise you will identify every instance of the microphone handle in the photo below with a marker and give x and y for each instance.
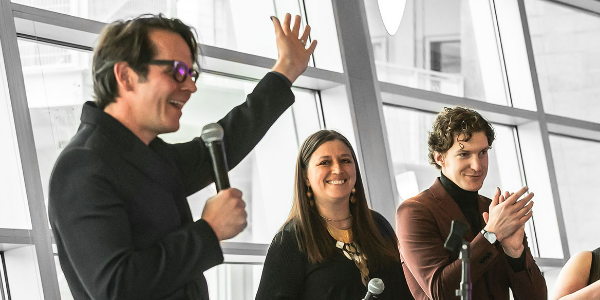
(219, 162)
(368, 296)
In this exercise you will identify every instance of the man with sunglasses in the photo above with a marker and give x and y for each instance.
(117, 196)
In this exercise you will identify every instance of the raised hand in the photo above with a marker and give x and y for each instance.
(226, 213)
(507, 216)
(293, 56)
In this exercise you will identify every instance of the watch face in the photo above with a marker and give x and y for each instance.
(490, 236)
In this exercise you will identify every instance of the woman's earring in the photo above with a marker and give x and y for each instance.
(352, 197)
(309, 194)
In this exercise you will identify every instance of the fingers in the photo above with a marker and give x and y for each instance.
(226, 213)
(306, 33)
(514, 197)
(286, 23)
(496, 199)
(296, 28)
(312, 47)
(523, 202)
(525, 218)
(526, 209)
(486, 217)
(231, 193)
(277, 25)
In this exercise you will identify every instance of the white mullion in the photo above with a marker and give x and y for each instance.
(15, 236)
(234, 248)
(543, 128)
(360, 103)
(589, 6)
(435, 102)
(57, 19)
(27, 151)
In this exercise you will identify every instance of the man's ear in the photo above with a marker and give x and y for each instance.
(439, 158)
(125, 76)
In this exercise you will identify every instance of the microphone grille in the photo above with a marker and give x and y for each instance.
(376, 286)
(212, 132)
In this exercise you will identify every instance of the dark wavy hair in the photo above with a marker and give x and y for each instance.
(456, 122)
(129, 41)
(311, 230)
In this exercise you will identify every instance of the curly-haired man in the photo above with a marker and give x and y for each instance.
(500, 258)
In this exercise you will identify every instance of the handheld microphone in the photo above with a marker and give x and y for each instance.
(375, 287)
(212, 135)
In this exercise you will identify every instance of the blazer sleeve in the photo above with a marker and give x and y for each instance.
(90, 222)
(422, 249)
(283, 272)
(244, 126)
(529, 283)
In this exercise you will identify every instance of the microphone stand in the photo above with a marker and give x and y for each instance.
(454, 242)
(465, 283)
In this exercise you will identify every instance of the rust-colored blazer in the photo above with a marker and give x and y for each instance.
(432, 272)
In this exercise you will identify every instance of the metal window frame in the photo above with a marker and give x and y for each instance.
(40, 233)
(4, 288)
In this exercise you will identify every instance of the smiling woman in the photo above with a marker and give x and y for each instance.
(332, 243)
(331, 174)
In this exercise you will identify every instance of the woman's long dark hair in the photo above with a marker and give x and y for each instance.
(311, 230)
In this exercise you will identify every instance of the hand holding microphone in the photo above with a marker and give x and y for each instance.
(375, 288)
(212, 135)
(225, 212)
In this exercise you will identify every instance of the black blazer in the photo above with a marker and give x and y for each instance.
(118, 208)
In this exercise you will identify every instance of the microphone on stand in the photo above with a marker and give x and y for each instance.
(374, 288)
(456, 242)
(212, 135)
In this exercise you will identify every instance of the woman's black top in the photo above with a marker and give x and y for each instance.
(595, 268)
(288, 274)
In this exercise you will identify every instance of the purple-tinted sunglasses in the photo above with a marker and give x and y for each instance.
(180, 69)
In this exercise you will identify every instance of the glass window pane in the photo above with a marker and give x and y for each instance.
(266, 175)
(239, 25)
(14, 210)
(566, 58)
(57, 82)
(575, 165)
(65, 292)
(444, 46)
(23, 274)
(57, 88)
(233, 281)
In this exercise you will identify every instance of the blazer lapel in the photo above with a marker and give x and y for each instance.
(449, 206)
(153, 160)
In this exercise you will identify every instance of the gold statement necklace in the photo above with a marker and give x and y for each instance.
(344, 241)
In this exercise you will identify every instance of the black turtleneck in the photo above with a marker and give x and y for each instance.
(469, 205)
(467, 201)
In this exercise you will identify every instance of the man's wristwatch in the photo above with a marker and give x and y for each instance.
(490, 236)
